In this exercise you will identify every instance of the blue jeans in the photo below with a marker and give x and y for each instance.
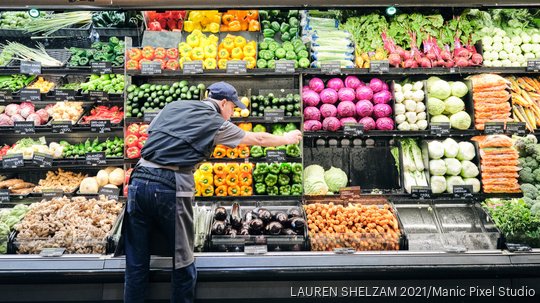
(152, 204)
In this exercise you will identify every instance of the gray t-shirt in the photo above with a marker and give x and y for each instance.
(228, 134)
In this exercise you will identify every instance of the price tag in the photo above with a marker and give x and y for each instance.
(193, 67)
(494, 128)
(149, 115)
(151, 68)
(533, 65)
(452, 70)
(331, 67)
(12, 161)
(274, 115)
(284, 67)
(64, 95)
(463, 191)
(6, 96)
(515, 247)
(4, 195)
(110, 193)
(95, 159)
(98, 95)
(24, 127)
(275, 155)
(421, 192)
(379, 66)
(440, 128)
(52, 252)
(516, 128)
(51, 193)
(30, 68)
(28, 94)
(100, 126)
(42, 160)
(256, 249)
(353, 129)
(101, 67)
(236, 67)
(351, 192)
(62, 127)
(344, 251)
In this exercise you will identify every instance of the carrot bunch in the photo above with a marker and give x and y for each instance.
(224, 179)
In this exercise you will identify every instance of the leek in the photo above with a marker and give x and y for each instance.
(54, 22)
(25, 53)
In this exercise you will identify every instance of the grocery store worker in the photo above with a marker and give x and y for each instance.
(162, 186)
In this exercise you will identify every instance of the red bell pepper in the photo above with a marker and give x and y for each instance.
(161, 61)
(133, 129)
(133, 152)
(134, 54)
(172, 53)
(132, 64)
(143, 129)
(131, 140)
(160, 53)
(155, 26)
(172, 65)
(148, 52)
(141, 141)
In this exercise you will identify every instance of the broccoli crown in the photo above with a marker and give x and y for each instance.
(532, 149)
(528, 161)
(526, 175)
(536, 174)
(525, 145)
(535, 209)
(529, 190)
(530, 202)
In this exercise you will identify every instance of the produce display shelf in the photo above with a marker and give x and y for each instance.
(238, 160)
(216, 72)
(48, 129)
(392, 133)
(257, 198)
(57, 71)
(263, 121)
(71, 163)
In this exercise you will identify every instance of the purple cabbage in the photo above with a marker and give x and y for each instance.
(328, 96)
(312, 125)
(382, 110)
(364, 108)
(346, 94)
(383, 96)
(347, 120)
(310, 98)
(335, 84)
(331, 124)
(376, 85)
(352, 82)
(364, 93)
(368, 122)
(328, 110)
(346, 109)
(316, 84)
(385, 123)
(312, 113)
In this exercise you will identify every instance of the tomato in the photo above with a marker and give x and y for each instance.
(172, 53)
(159, 53)
(134, 54)
(172, 65)
(131, 140)
(133, 129)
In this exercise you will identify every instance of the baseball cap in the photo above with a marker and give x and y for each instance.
(223, 90)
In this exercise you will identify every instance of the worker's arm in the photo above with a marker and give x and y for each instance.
(266, 139)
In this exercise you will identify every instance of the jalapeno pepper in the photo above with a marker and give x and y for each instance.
(219, 180)
(220, 168)
(234, 191)
(207, 190)
(243, 151)
(246, 190)
(232, 168)
(232, 153)
(221, 191)
(260, 188)
(231, 180)
(219, 152)
(245, 179)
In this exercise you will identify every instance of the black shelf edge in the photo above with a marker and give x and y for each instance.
(48, 129)
(237, 160)
(217, 72)
(262, 120)
(65, 163)
(392, 133)
(253, 198)
(57, 71)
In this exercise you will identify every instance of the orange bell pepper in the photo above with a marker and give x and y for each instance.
(246, 191)
(234, 191)
(231, 180)
(232, 153)
(254, 26)
(207, 190)
(245, 179)
(252, 14)
(243, 151)
(232, 168)
(241, 14)
(227, 18)
(219, 180)
(206, 168)
(219, 152)
(224, 28)
(246, 126)
(246, 167)
(221, 191)
(220, 168)
(235, 26)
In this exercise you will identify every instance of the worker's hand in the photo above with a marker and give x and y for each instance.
(293, 137)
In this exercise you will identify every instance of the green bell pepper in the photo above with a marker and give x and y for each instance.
(271, 63)
(302, 54)
(261, 168)
(281, 53)
(256, 151)
(274, 168)
(263, 14)
(293, 31)
(290, 126)
(284, 27)
(293, 150)
(261, 63)
(271, 179)
(278, 129)
(296, 190)
(273, 46)
(258, 178)
(263, 46)
(293, 22)
(284, 179)
(260, 188)
(297, 168)
(303, 62)
(269, 33)
(259, 128)
(286, 36)
(272, 190)
(285, 168)
(285, 190)
(290, 55)
(297, 178)
(275, 26)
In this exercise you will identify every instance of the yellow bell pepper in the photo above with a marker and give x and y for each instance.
(206, 168)
(189, 26)
(223, 54)
(197, 53)
(210, 63)
(237, 53)
(207, 190)
(222, 63)
(250, 62)
(249, 51)
(240, 41)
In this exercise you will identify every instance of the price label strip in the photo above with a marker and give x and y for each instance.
(236, 67)
(24, 127)
(255, 249)
(101, 67)
(12, 161)
(462, 191)
(52, 252)
(42, 160)
(274, 115)
(51, 193)
(331, 68)
(110, 193)
(533, 65)
(6, 96)
(284, 67)
(494, 128)
(95, 159)
(192, 67)
(351, 192)
(100, 126)
(64, 95)
(62, 127)
(30, 94)
(151, 68)
(275, 155)
(421, 192)
(97, 95)
(440, 128)
(30, 68)
(516, 128)
(150, 115)
(353, 129)
(379, 66)
(4, 195)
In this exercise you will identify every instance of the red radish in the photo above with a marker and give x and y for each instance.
(400, 51)
(445, 55)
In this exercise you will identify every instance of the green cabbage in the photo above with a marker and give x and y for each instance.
(466, 151)
(453, 166)
(313, 171)
(459, 89)
(451, 181)
(460, 120)
(437, 167)
(335, 178)
(438, 184)
(469, 169)
(440, 118)
(451, 148)
(474, 182)
(453, 105)
(440, 89)
(435, 106)
(315, 186)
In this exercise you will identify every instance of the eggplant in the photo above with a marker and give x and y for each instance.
(265, 215)
(282, 218)
(236, 218)
(294, 212)
(297, 224)
(274, 228)
(256, 227)
(288, 232)
(219, 228)
(220, 214)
